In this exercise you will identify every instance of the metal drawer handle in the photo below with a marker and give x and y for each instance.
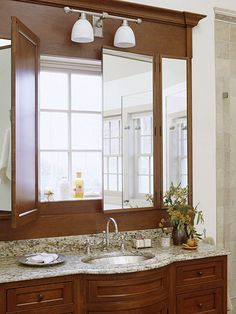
(40, 297)
(200, 273)
(200, 305)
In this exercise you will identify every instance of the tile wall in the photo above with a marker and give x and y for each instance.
(225, 38)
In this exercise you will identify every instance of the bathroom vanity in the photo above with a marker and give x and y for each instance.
(173, 281)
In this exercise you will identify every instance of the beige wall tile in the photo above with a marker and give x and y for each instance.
(232, 32)
(232, 50)
(222, 31)
(222, 49)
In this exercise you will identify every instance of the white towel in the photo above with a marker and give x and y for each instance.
(42, 258)
(5, 158)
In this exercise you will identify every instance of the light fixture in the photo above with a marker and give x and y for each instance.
(124, 37)
(82, 31)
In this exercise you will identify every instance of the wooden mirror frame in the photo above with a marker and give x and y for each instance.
(171, 33)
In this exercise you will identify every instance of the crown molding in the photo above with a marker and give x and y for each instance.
(122, 7)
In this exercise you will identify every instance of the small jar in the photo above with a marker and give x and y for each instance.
(64, 189)
(165, 241)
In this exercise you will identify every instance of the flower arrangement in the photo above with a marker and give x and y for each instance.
(182, 215)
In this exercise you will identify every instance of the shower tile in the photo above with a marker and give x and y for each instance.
(222, 31)
(232, 32)
(222, 49)
(232, 50)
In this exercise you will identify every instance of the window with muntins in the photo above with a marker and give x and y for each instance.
(70, 124)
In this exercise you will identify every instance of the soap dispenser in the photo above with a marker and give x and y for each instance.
(79, 186)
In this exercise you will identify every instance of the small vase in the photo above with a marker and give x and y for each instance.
(179, 236)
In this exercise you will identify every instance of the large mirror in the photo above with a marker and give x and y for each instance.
(175, 128)
(127, 130)
(5, 125)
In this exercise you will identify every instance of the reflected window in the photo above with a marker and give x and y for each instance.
(112, 155)
(70, 130)
(143, 163)
(127, 129)
(178, 150)
(175, 124)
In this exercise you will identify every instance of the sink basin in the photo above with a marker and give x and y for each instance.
(118, 259)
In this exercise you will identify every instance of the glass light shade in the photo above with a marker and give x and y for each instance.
(82, 31)
(124, 37)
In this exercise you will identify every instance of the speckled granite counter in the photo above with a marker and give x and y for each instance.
(11, 271)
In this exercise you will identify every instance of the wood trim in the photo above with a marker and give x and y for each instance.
(80, 223)
(158, 164)
(4, 215)
(190, 130)
(119, 7)
(189, 46)
(192, 19)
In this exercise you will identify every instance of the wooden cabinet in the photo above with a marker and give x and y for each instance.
(201, 286)
(188, 287)
(199, 272)
(127, 293)
(42, 296)
(205, 301)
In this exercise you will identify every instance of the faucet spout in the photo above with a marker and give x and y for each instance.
(108, 231)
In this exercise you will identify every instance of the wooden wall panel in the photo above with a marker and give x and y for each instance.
(81, 223)
(53, 27)
(163, 32)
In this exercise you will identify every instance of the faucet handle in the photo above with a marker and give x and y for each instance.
(122, 244)
(88, 244)
(104, 241)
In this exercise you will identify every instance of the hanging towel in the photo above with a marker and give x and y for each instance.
(5, 154)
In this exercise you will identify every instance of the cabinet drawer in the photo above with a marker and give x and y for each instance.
(61, 309)
(127, 291)
(205, 301)
(199, 273)
(158, 308)
(38, 296)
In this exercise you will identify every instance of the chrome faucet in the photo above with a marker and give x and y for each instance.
(108, 232)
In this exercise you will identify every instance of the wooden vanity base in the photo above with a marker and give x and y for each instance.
(188, 287)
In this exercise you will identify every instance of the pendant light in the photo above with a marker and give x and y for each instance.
(124, 37)
(82, 31)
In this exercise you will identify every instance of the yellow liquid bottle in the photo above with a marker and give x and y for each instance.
(79, 186)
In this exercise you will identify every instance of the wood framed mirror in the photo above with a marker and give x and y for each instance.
(176, 123)
(128, 130)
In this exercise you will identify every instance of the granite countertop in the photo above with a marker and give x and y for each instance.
(11, 270)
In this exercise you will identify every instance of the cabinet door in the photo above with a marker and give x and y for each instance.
(25, 64)
(201, 302)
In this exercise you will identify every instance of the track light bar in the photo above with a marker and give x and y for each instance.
(103, 15)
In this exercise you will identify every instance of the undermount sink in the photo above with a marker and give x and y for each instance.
(118, 259)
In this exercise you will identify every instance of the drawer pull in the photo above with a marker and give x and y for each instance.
(200, 273)
(200, 305)
(40, 297)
